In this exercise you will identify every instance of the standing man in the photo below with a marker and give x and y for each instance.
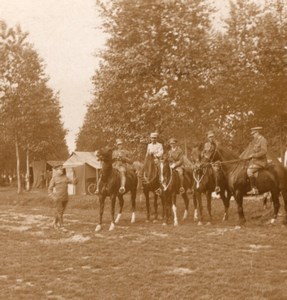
(175, 157)
(209, 146)
(121, 157)
(257, 156)
(154, 147)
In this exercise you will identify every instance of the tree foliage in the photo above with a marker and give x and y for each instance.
(167, 69)
(29, 110)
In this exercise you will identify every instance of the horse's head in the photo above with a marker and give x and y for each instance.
(105, 156)
(165, 172)
(149, 167)
(195, 154)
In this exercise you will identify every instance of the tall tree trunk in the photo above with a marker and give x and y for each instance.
(19, 190)
(28, 170)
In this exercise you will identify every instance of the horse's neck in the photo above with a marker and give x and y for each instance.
(107, 170)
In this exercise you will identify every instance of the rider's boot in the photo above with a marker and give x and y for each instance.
(123, 183)
(254, 190)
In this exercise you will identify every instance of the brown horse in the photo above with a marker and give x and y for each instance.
(150, 183)
(234, 170)
(109, 186)
(206, 182)
(170, 186)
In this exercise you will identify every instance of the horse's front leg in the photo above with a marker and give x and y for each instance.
(199, 207)
(113, 204)
(276, 205)
(239, 201)
(133, 200)
(226, 202)
(208, 202)
(121, 202)
(186, 205)
(146, 194)
(284, 195)
(174, 209)
(155, 206)
(102, 205)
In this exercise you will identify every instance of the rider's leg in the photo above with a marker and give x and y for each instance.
(250, 173)
(123, 179)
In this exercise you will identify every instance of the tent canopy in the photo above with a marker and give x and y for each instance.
(84, 166)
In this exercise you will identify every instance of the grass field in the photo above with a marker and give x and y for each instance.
(137, 261)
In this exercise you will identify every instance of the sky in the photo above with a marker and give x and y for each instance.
(66, 35)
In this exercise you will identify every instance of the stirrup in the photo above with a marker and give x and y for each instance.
(122, 190)
(181, 190)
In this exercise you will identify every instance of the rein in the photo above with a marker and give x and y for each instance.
(198, 181)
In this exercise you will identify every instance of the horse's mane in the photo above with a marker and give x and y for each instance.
(226, 154)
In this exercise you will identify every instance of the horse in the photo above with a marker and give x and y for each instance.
(169, 187)
(206, 182)
(109, 186)
(234, 169)
(150, 183)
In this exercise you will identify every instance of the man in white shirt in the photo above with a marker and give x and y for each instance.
(155, 148)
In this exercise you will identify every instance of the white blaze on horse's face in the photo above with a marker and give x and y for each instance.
(161, 166)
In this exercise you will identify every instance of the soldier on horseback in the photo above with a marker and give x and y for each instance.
(154, 147)
(121, 157)
(175, 157)
(209, 146)
(258, 157)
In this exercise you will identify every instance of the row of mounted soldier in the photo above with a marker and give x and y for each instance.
(212, 169)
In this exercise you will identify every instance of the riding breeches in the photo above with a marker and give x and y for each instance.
(252, 169)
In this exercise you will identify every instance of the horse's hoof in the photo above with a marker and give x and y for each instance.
(175, 224)
(272, 221)
(208, 224)
(238, 227)
(98, 228)
(154, 221)
(147, 220)
(199, 223)
(133, 218)
(112, 227)
(164, 224)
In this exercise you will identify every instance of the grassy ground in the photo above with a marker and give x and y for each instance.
(137, 261)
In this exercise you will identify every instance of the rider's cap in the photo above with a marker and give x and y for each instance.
(256, 129)
(154, 135)
(119, 141)
(172, 141)
(210, 133)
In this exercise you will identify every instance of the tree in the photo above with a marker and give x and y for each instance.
(29, 111)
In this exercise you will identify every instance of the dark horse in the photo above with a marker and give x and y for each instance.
(150, 183)
(206, 182)
(170, 185)
(109, 186)
(234, 170)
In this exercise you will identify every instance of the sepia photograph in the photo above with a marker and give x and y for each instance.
(143, 149)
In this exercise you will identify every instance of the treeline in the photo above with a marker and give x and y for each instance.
(31, 126)
(168, 67)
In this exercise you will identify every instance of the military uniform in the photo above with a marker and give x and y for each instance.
(258, 157)
(176, 160)
(156, 149)
(121, 159)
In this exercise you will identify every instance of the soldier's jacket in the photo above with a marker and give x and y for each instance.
(155, 149)
(176, 156)
(259, 151)
(121, 157)
(208, 149)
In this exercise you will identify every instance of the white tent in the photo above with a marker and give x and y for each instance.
(85, 166)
